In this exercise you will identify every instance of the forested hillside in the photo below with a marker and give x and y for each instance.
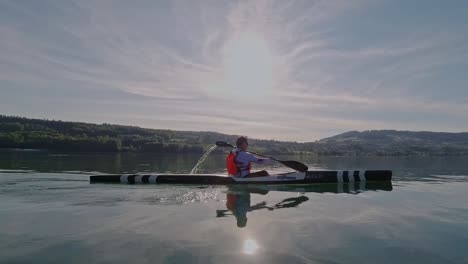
(392, 142)
(20, 132)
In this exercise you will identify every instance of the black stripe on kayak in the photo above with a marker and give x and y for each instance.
(131, 179)
(145, 178)
(345, 176)
(356, 176)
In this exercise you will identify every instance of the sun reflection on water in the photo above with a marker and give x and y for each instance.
(250, 247)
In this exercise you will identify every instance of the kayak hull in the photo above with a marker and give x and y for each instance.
(315, 176)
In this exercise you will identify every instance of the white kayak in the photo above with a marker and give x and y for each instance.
(313, 176)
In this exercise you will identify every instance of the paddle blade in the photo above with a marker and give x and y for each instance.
(296, 165)
(223, 144)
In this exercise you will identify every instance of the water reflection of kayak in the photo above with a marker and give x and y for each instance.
(351, 188)
(314, 176)
(238, 201)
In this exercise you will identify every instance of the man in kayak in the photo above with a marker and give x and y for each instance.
(239, 161)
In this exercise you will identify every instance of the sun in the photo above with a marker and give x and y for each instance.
(248, 65)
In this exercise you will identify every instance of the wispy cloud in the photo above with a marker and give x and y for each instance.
(162, 64)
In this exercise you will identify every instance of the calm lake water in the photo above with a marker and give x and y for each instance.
(50, 213)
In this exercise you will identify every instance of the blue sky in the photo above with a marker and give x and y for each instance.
(286, 70)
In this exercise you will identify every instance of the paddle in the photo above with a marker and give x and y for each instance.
(288, 163)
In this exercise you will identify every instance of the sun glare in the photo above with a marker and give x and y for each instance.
(248, 65)
(250, 246)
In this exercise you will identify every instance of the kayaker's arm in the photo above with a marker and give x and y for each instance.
(249, 157)
(262, 161)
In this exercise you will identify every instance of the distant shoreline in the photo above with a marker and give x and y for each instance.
(29, 134)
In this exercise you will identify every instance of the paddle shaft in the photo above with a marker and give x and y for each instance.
(257, 154)
(288, 163)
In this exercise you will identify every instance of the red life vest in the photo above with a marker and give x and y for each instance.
(231, 164)
(231, 200)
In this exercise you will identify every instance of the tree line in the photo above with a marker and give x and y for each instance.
(21, 132)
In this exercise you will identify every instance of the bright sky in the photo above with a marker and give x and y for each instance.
(286, 70)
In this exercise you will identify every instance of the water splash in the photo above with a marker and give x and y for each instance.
(200, 161)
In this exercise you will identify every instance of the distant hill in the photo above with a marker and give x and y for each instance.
(20, 132)
(393, 142)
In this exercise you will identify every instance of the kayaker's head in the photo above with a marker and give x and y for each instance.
(242, 143)
(242, 222)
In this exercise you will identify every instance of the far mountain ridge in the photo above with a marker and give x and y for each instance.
(395, 142)
(398, 135)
